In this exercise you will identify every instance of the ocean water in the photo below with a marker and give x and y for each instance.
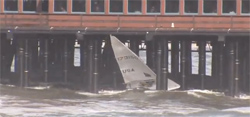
(61, 102)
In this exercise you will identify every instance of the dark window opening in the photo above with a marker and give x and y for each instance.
(229, 6)
(116, 5)
(10, 5)
(97, 5)
(153, 6)
(79, 5)
(60, 5)
(210, 6)
(45, 5)
(191, 6)
(29, 5)
(245, 6)
(134, 6)
(172, 6)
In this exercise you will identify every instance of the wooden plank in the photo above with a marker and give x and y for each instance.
(137, 25)
(241, 26)
(174, 19)
(63, 24)
(212, 26)
(176, 25)
(137, 18)
(99, 18)
(242, 19)
(93, 24)
(65, 17)
(212, 19)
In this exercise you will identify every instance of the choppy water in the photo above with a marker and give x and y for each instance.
(51, 102)
(62, 102)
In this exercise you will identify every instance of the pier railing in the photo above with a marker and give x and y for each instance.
(103, 22)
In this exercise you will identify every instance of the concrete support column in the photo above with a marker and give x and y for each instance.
(202, 61)
(165, 64)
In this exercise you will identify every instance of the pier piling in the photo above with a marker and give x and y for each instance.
(159, 64)
(175, 58)
(202, 61)
(165, 64)
(183, 65)
(26, 62)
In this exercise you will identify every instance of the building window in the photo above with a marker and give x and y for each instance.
(229, 6)
(191, 6)
(97, 5)
(172, 6)
(78, 5)
(60, 5)
(29, 5)
(116, 6)
(10, 5)
(210, 6)
(134, 6)
(153, 6)
(45, 5)
(245, 6)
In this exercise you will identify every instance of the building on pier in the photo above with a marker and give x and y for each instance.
(53, 25)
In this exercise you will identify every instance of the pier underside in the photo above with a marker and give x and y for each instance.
(50, 58)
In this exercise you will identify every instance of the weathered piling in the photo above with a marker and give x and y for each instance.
(90, 64)
(21, 62)
(96, 74)
(175, 58)
(1, 66)
(65, 61)
(202, 61)
(164, 65)
(188, 57)
(230, 65)
(236, 71)
(45, 59)
(159, 46)
(183, 64)
(26, 62)
(221, 63)
(134, 45)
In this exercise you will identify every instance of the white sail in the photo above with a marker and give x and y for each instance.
(134, 71)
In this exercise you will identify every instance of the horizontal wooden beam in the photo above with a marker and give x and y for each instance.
(121, 21)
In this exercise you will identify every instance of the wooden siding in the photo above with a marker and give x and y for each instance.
(121, 21)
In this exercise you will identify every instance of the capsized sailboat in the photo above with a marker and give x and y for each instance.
(135, 72)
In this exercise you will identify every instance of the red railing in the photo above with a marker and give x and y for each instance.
(123, 21)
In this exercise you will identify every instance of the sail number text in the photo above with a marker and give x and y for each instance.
(126, 57)
(127, 70)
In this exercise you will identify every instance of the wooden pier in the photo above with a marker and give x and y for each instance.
(42, 46)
